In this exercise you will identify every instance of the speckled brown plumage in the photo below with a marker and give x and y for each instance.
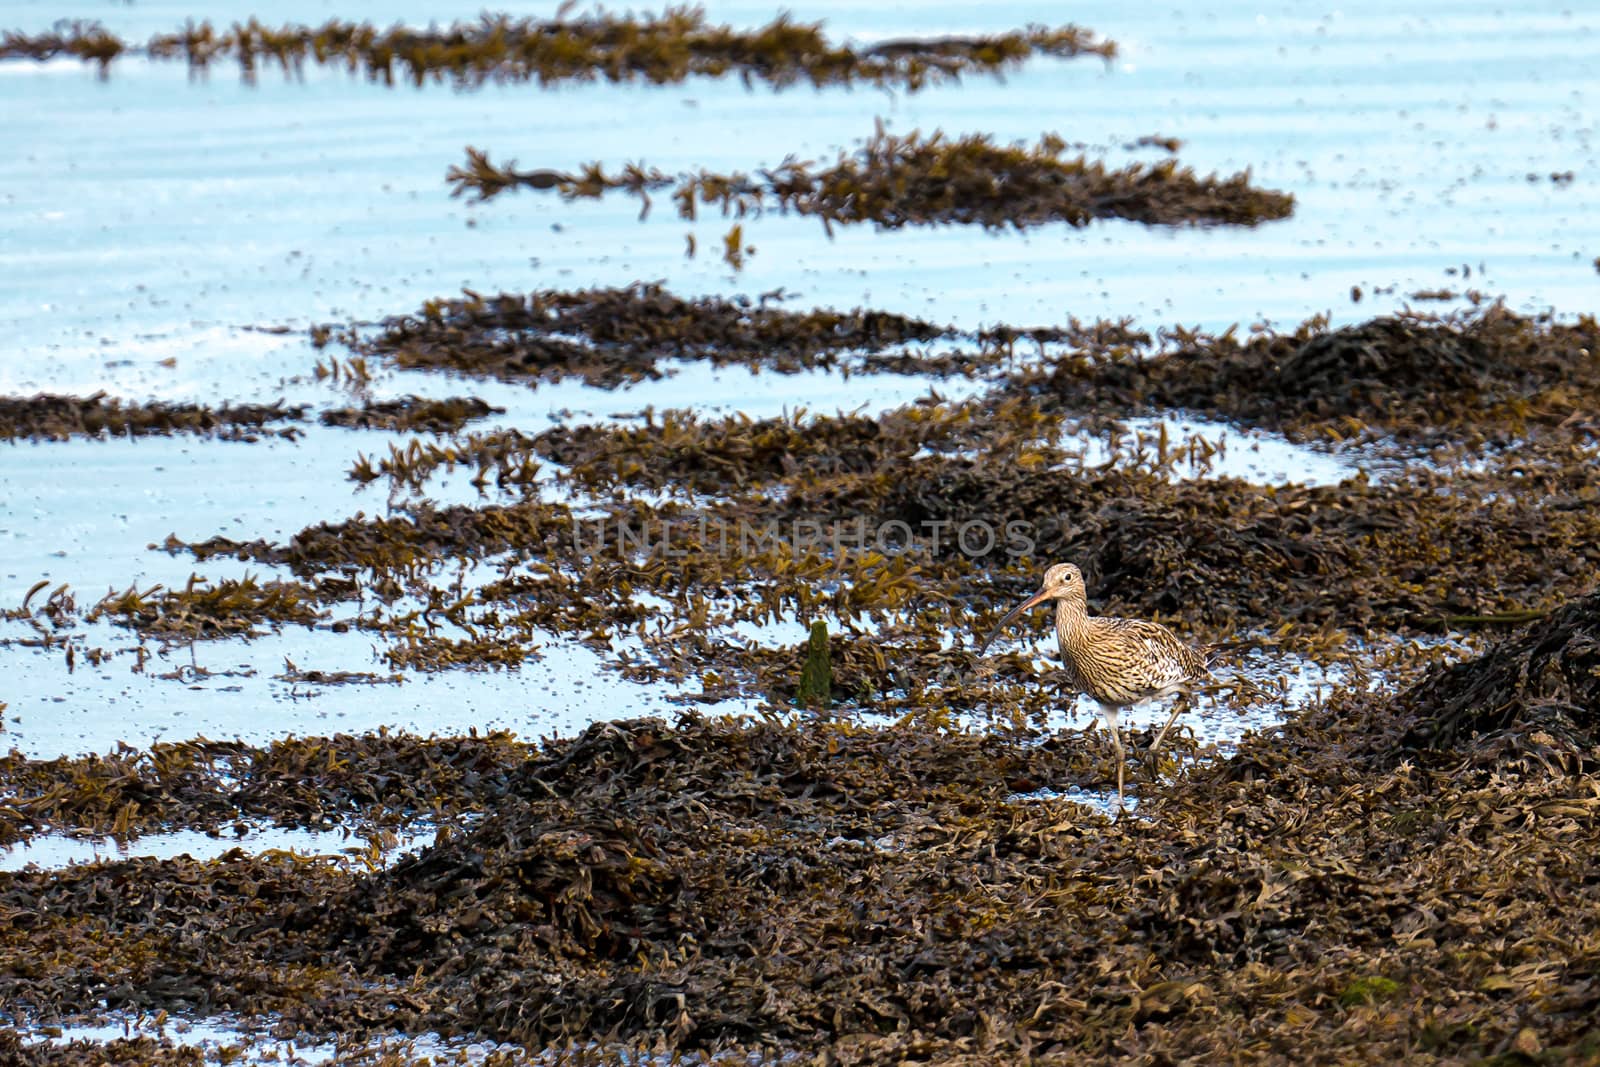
(1116, 662)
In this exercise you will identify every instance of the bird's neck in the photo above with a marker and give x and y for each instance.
(1072, 622)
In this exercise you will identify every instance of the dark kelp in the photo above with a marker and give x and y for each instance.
(372, 781)
(1543, 683)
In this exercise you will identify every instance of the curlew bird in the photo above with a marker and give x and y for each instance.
(1117, 662)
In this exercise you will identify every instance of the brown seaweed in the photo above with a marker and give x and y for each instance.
(54, 417)
(497, 49)
(920, 180)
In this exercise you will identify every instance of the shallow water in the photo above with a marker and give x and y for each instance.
(1407, 139)
(558, 691)
(60, 850)
(228, 1039)
(1208, 448)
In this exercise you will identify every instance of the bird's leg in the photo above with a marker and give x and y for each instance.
(1109, 715)
(1177, 709)
(1122, 768)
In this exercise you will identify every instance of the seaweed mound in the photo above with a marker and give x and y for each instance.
(1544, 678)
(1487, 370)
(1357, 369)
(666, 879)
(610, 337)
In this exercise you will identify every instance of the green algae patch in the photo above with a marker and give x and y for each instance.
(55, 417)
(816, 673)
(498, 49)
(919, 180)
(1369, 990)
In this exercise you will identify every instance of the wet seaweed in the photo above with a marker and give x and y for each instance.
(206, 611)
(120, 1052)
(383, 780)
(498, 49)
(1485, 372)
(884, 895)
(672, 532)
(414, 414)
(919, 180)
(55, 417)
(1399, 874)
(1543, 680)
(609, 337)
(79, 38)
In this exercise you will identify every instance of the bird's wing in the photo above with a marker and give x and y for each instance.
(1166, 661)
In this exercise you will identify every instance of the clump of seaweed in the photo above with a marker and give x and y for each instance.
(507, 454)
(922, 180)
(54, 417)
(1485, 370)
(1542, 681)
(123, 1051)
(498, 49)
(412, 413)
(85, 40)
(610, 337)
(375, 780)
(202, 611)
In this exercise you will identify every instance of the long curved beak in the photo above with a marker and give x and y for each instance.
(1038, 598)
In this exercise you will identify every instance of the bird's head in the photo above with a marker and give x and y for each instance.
(1063, 581)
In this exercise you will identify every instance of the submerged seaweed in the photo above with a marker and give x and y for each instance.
(413, 413)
